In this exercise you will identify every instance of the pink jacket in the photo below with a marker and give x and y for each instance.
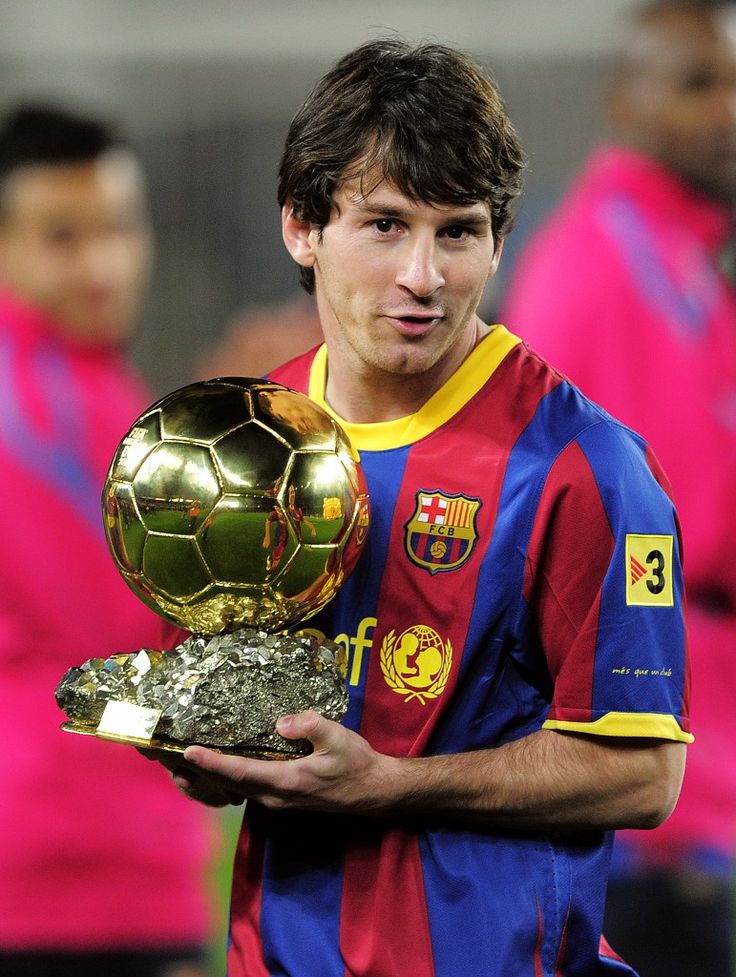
(621, 291)
(97, 849)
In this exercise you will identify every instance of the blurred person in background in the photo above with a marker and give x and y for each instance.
(260, 339)
(102, 865)
(623, 290)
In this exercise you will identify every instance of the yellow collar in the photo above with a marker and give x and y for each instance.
(441, 406)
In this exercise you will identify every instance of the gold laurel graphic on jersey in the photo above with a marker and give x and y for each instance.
(416, 664)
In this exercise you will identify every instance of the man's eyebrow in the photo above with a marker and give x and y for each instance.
(376, 209)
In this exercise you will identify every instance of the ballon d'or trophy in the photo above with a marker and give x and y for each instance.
(234, 508)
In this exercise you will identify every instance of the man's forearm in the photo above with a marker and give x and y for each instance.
(546, 780)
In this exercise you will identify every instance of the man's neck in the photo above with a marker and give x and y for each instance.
(365, 396)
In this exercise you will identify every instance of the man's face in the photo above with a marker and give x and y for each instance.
(75, 243)
(398, 282)
(679, 100)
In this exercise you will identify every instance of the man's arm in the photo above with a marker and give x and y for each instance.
(546, 781)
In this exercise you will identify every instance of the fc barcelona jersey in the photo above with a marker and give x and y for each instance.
(522, 570)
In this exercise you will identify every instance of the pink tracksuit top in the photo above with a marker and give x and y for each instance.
(97, 848)
(621, 291)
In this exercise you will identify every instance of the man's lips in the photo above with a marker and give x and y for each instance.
(414, 323)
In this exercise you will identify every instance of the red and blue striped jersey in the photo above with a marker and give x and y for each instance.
(522, 571)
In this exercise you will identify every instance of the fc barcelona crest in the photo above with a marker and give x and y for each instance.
(441, 533)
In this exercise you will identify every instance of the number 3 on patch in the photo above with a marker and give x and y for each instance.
(649, 570)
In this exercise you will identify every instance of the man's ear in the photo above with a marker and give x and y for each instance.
(297, 235)
(496, 257)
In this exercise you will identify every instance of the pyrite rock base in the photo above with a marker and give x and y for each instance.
(225, 692)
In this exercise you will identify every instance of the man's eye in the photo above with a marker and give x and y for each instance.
(455, 232)
(384, 225)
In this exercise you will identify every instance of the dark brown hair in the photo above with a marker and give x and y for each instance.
(42, 134)
(428, 119)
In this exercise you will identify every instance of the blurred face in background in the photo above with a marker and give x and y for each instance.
(75, 243)
(675, 96)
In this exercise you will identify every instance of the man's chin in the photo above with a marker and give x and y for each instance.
(406, 365)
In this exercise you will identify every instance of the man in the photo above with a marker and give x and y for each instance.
(622, 290)
(457, 822)
(102, 867)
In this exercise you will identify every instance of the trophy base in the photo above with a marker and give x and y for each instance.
(171, 746)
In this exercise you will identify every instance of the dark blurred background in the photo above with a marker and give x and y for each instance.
(207, 90)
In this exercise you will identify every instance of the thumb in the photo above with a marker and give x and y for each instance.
(307, 725)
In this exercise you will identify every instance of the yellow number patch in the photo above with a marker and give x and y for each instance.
(649, 570)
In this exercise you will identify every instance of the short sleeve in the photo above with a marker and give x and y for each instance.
(604, 582)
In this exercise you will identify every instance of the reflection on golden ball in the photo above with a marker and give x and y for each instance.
(235, 502)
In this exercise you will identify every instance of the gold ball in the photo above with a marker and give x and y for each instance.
(235, 502)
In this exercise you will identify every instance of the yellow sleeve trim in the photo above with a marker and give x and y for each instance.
(441, 406)
(647, 724)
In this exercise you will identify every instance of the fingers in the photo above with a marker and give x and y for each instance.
(274, 783)
(204, 791)
(233, 768)
(304, 725)
(297, 727)
(171, 761)
(240, 778)
(269, 781)
(310, 726)
(191, 780)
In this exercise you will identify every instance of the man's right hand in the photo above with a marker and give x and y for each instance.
(200, 786)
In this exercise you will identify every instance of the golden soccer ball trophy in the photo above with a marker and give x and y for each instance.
(234, 508)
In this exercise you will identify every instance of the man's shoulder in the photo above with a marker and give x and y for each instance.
(564, 410)
(617, 454)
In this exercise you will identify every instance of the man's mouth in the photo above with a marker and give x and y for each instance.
(415, 324)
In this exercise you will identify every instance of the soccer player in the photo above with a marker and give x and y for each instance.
(623, 289)
(101, 869)
(518, 679)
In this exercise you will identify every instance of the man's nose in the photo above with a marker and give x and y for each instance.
(420, 267)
